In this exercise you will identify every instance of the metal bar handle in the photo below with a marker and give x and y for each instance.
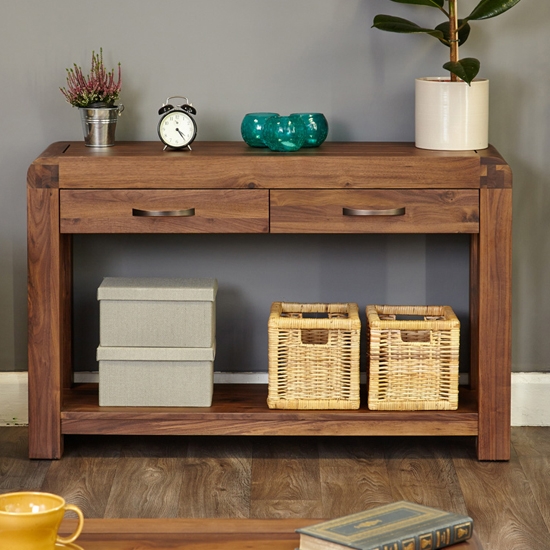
(185, 213)
(374, 212)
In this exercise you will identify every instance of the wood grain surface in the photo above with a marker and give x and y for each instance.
(219, 165)
(216, 478)
(49, 331)
(216, 211)
(287, 477)
(425, 211)
(241, 409)
(495, 324)
(201, 534)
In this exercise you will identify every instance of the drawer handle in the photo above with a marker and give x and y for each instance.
(377, 212)
(163, 213)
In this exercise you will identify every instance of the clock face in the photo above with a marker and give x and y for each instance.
(177, 129)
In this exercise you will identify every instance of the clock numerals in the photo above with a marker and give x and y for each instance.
(177, 129)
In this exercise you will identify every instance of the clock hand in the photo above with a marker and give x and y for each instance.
(179, 132)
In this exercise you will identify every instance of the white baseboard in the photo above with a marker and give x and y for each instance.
(530, 402)
(13, 399)
(530, 391)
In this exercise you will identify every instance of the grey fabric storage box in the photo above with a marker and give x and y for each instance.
(157, 312)
(155, 377)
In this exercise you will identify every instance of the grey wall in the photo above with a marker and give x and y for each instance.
(231, 57)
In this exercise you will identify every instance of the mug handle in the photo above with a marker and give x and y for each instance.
(75, 535)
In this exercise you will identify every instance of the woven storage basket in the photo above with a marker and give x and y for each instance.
(313, 356)
(413, 364)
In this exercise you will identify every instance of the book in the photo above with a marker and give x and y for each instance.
(398, 526)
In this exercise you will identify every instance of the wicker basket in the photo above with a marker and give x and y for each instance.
(413, 363)
(313, 356)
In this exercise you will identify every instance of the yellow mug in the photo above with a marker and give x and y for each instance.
(30, 521)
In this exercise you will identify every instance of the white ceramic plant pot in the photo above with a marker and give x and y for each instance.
(451, 116)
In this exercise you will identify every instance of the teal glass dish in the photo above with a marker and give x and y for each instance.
(252, 127)
(284, 133)
(316, 128)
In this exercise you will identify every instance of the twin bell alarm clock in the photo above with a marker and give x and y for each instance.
(177, 128)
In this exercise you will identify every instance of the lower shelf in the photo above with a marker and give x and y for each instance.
(241, 409)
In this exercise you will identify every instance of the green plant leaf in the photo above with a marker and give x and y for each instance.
(397, 24)
(431, 3)
(463, 33)
(490, 8)
(466, 68)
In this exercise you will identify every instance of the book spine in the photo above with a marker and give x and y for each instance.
(436, 539)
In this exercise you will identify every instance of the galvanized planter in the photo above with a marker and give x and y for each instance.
(99, 125)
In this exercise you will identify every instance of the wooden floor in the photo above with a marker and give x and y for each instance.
(321, 477)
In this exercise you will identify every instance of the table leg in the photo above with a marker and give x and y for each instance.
(49, 335)
(492, 343)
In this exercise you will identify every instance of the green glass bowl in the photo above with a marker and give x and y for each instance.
(252, 126)
(316, 128)
(284, 133)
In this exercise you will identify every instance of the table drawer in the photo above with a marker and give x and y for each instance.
(375, 211)
(164, 211)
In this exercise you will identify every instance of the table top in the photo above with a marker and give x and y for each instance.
(72, 165)
(198, 534)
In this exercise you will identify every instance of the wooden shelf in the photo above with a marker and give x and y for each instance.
(241, 409)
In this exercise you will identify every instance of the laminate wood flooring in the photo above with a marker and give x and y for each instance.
(313, 477)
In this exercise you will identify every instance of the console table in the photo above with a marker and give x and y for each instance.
(232, 188)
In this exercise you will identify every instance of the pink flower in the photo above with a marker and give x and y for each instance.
(99, 86)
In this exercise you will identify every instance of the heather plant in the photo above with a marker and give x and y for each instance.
(99, 88)
(453, 32)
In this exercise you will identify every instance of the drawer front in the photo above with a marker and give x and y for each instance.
(164, 211)
(375, 211)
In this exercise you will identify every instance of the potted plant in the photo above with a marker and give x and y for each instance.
(452, 112)
(95, 96)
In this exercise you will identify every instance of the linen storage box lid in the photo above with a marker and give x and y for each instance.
(107, 353)
(155, 377)
(157, 312)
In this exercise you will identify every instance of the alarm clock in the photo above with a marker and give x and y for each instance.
(177, 128)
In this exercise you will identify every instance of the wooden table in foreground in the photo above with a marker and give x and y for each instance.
(199, 534)
(233, 188)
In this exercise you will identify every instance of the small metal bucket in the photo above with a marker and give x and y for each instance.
(99, 125)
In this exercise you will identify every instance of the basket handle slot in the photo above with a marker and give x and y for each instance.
(404, 317)
(314, 336)
(315, 315)
(416, 336)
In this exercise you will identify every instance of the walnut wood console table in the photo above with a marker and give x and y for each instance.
(387, 187)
